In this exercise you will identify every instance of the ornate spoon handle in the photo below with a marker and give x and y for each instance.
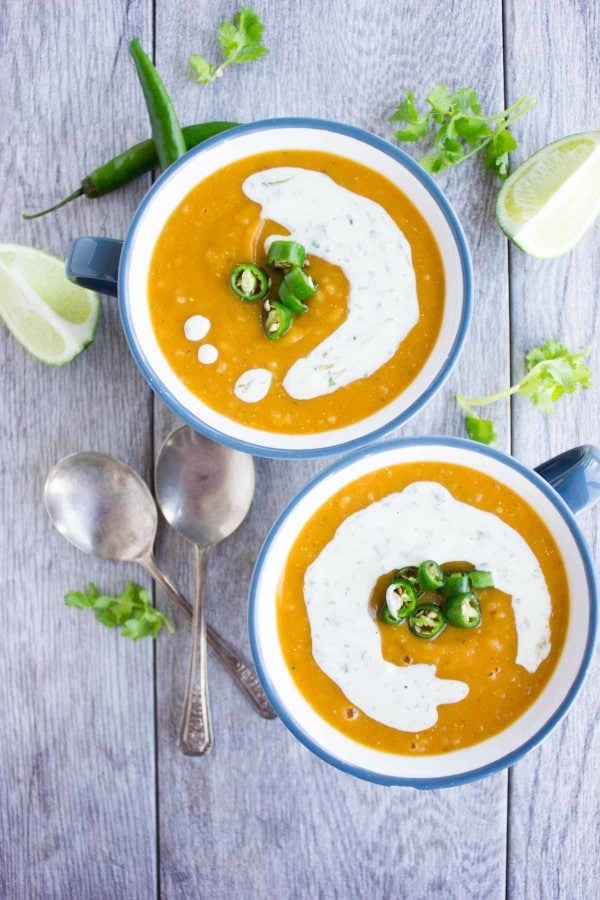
(196, 736)
(243, 674)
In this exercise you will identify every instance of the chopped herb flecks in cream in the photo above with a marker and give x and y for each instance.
(419, 522)
(358, 235)
(253, 385)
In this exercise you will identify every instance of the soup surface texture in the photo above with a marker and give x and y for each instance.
(381, 685)
(368, 330)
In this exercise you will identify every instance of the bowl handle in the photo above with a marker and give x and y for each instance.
(93, 262)
(575, 475)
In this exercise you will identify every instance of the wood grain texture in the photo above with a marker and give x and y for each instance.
(77, 777)
(554, 799)
(261, 817)
(84, 798)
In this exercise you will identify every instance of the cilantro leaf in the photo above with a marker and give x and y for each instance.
(131, 611)
(496, 154)
(481, 430)
(416, 125)
(467, 101)
(204, 70)
(462, 129)
(439, 99)
(552, 371)
(241, 42)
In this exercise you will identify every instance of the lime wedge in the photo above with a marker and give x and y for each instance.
(50, 317)
(551, 200)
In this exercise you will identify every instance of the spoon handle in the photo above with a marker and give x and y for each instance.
(196, 736)
(242, 673)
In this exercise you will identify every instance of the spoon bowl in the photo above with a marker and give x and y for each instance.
(101, 506)
(204, 489)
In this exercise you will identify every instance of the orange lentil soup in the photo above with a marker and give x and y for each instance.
(215, 228)
(484, 657)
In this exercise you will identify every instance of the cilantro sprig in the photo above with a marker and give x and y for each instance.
(552, 372)
(131, 611)
(241, 42)
(460, 129)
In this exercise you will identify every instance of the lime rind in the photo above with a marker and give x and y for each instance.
(50, 317)
(553, 198)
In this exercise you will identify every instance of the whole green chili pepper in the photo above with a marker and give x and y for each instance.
(130, 164)
(166, 130)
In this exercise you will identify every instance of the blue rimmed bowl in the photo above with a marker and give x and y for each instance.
(556, 490)
(113, 267)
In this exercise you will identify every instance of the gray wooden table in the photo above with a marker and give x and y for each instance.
(95, 799)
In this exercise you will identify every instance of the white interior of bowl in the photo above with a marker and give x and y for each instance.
(197, 166)
(332, 743)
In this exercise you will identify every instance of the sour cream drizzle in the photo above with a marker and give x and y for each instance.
(358, 235)
(417, 523)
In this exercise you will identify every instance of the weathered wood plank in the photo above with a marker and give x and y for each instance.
(77, 815)
(554, 799)
(260, 816)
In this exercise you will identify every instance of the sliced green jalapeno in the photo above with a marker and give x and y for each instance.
(481, 579)
(386, 616)
(456, 583)
(431, 575)
(277, 320)
(411, 573)
(285, 255)
(300, 284)
(427, 621)
(289, 299)
(249, 282)
(400, 598)
(463, 610)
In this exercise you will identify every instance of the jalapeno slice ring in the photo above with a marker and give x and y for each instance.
(249, 282)
(400, 599)
(456, 583)
(291, 300)
(463, 610)
(427, 621)
(431, 576)
(411, 573)
(277, 320)
(285, 255)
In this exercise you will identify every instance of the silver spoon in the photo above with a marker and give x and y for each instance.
(204, 491)
(105, 509)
